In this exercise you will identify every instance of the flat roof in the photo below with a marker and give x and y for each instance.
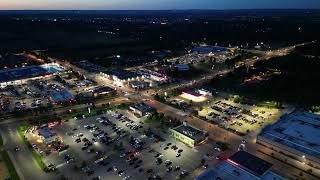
(189, 131)
(89, 66)
(46, 132)
(122, 74)
(61, 96)
(143, 107)
(147, 72)
(228, 171)
(8, 75)
(250, 163)
(103, 89)
(193, 93)
(208, 49)
(298, 130)
(138, 83)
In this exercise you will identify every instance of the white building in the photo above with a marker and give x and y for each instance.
(19, 76)
(295, 136)
(121, 77)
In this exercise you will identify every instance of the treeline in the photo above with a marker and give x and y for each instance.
(297, 83)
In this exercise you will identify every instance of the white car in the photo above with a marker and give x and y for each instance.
(100, 136)
(115, 168)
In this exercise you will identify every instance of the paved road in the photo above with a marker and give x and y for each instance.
(23, 160)
(26, 165)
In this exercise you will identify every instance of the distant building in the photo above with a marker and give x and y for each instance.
(295, 136)
(139, 84)
(103, 91)
(121, 77)
(187, 134)
(209, 49)
(62, 97)
(21, 75)
(182, 67)
(89, 66)
(154, 76)
(138, 80)
(195, 95)
(241, 166)
(205, 92)
(192, 94)
(257, 46)
(142, 109)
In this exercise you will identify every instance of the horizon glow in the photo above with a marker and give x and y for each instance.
(155, 4)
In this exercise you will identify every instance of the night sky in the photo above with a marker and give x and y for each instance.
(157, 4)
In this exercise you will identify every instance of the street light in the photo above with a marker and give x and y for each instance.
(303, 159)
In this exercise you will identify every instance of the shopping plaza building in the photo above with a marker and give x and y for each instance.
(188, 134)
(294, 136)
(18, 76)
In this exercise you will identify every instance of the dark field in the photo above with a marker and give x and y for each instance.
(297, 83)
(99, 35)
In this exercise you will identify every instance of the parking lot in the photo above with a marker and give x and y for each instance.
(44, 92)
(22, 97)
(240, 118)
(118, 146)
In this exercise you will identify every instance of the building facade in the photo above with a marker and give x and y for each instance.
(187, 134)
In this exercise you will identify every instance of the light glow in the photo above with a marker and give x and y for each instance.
(193, 97)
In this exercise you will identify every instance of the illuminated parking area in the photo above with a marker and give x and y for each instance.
(240, 118)
(183, 158)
